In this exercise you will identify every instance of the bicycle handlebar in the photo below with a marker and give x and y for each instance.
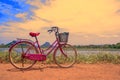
(54, 28)
(49, 31)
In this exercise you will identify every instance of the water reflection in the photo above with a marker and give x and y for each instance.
(82, 51)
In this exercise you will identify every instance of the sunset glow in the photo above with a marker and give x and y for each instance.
(88, 21)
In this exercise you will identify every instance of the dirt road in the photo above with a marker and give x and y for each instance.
(53, 72)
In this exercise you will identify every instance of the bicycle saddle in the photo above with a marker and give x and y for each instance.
(33, 34)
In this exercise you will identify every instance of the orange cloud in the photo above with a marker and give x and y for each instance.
(93, 18)
(97, 15)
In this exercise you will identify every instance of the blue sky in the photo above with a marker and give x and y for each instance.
(8, 11)
(10, 8)
(88, 21)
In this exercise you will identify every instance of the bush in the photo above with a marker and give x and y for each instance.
(99, 58)
(81, 58)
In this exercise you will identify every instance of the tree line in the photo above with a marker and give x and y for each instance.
(103, 46)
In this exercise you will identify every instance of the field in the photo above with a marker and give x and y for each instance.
(102, 66)
(90, 58)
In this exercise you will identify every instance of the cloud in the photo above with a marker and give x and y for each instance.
(118, 11)
(40, 3)
(85, 39)
(10, 8)
(43, 19)
(82, 15)
(88, 21)
(23, 16)
(20, 21)
(5, 29)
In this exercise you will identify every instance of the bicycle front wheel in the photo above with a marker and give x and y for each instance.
(17, 51)
(65, 56)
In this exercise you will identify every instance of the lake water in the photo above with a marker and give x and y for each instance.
(4, 49)
(81, 51)
(97, 51)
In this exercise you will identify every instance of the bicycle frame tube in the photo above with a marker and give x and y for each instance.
(51, 48)
(38, 44)
(54, 45)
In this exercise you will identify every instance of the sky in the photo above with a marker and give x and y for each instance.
(87, 21)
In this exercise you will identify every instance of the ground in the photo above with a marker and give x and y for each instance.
(53, 72)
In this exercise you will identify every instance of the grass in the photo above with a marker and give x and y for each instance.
(81, 58)
(99, 58)
(4, 57)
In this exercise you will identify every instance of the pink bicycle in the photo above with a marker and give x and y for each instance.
(24, 53)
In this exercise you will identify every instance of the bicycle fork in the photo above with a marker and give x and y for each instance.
(62, 51)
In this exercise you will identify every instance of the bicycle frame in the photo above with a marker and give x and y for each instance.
(52, 47)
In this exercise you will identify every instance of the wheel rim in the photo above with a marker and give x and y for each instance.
(17, 52)
(68, 58)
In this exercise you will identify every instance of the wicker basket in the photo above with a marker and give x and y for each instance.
(63, 37)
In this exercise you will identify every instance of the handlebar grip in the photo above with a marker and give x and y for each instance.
(54, 27)
(50, 31)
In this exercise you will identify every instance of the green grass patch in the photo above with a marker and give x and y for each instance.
(99, 58)
(81, 58)
(4, 57)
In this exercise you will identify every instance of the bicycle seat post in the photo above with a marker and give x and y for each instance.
(38, 45)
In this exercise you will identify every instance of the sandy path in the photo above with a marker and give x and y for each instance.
(52, 72)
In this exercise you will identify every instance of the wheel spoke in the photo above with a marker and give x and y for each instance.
(65, 56)
(16, 55)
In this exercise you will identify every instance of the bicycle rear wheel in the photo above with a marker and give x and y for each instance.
(17, 51)
(66, 56)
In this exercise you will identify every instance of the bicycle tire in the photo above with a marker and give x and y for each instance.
(63, 61)
(15, 53)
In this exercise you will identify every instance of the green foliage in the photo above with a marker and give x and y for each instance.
(104, 46)
(99, 58)
(49, 59)
(4, 57)
(2, 46)
(81, 58)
